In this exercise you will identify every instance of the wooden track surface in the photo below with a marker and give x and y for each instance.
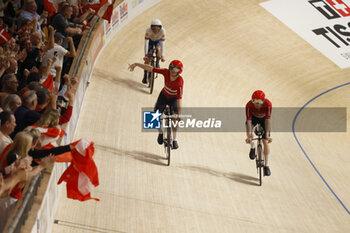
(229, 49)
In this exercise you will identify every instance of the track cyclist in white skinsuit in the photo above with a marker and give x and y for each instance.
(155, 36)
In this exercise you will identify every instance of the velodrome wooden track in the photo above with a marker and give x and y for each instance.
(229, 49)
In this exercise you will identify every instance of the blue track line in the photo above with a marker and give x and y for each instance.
(293, 128)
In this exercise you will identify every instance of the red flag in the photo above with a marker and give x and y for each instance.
(76, 183)
(4, 36)
(103, 8)
(82, 172)
(48, 83)
(66, 115)
(49, 136)
(52, 6)
(53, 132)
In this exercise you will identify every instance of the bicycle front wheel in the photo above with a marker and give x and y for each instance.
(168, 149)
(260, 163)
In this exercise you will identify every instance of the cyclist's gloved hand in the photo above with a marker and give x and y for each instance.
(249, 138)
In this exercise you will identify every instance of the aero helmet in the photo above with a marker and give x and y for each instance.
(156, 22)
(260, 95)
(176, 64)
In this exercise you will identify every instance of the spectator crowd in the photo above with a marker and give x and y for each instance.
(37, 48)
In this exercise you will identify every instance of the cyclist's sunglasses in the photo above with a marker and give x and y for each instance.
(175, 68)
(257, 101)
(155, 26)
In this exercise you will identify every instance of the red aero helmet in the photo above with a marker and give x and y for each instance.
(178, 64)
(259, 95)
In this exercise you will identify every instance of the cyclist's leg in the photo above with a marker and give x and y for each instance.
(159, 55)
(160, 106)
(252, 144)
(158, 48)
(266, 151)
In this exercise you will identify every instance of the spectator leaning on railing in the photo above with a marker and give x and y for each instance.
(78, 18)
(62, 24)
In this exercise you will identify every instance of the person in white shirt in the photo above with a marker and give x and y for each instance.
(155, 36)
(8, 124)
(59, 52)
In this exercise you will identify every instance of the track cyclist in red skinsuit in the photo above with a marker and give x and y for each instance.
(171, 93)
(258, 110)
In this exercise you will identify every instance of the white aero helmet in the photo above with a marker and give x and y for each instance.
(156, 22)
